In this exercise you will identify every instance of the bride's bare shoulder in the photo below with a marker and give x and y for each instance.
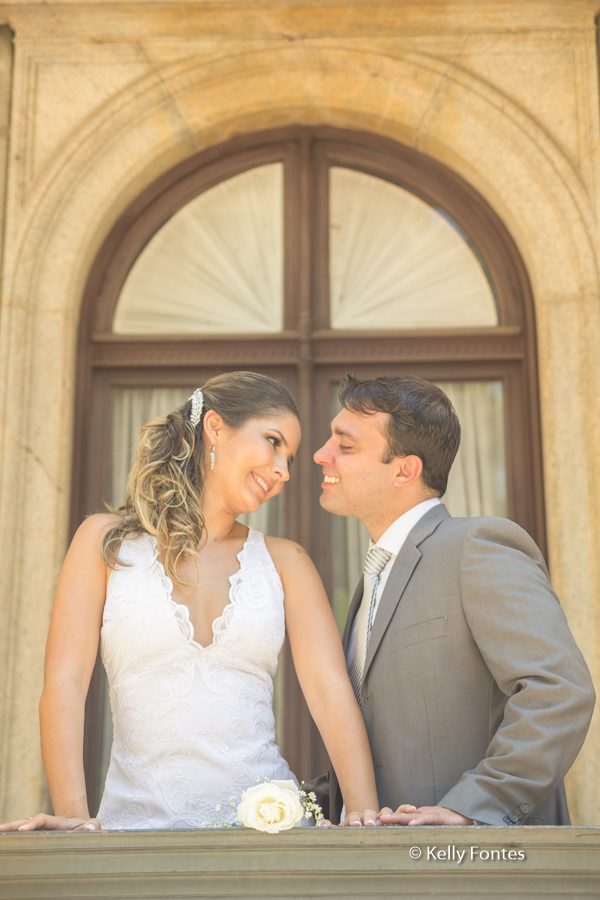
(297, 572)
(94, 528)
(285, 553)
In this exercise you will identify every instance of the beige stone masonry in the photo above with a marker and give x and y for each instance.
(107, 97)
(412, 863)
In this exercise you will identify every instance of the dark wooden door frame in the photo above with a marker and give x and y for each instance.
(307, 350)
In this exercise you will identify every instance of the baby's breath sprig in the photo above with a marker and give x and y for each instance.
(221, 822)
(311, 807)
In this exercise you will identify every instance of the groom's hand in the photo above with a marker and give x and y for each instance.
(425, 815)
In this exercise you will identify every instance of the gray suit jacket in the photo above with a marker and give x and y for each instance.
(475, 695)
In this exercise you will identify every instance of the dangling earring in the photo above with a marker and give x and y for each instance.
(213, 457)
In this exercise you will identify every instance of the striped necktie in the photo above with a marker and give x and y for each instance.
(376, 560)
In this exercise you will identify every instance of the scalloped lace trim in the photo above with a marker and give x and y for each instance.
(181, 611)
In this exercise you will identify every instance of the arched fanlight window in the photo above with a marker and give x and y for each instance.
(398, 263)
(215, 267)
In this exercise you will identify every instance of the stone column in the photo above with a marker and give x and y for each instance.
(6, 65)
(5, 86)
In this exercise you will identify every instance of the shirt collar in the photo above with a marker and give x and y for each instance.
(393, 537)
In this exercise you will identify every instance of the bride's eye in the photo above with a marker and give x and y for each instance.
(275, 441)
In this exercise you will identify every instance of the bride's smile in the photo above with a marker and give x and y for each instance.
(264, 485)
(252, 463)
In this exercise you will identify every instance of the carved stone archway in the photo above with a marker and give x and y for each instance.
(58, 221)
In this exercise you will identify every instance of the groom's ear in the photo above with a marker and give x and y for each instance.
(406, 470)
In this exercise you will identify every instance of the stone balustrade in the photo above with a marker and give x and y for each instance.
(308, 862)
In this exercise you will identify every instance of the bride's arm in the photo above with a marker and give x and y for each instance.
(70, 656)
(321, 669)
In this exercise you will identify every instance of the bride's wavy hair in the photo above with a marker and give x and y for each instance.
(164, 488)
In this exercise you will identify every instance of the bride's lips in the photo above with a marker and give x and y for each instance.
(262, 482)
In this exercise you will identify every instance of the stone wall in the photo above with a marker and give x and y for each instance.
(107, 96)
(5, 86)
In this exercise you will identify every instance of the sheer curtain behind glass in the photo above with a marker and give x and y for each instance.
(216, 266)
(130, 409)
(396, 262)
(476, 487)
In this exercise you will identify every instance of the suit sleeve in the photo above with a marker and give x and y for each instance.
(522, 634)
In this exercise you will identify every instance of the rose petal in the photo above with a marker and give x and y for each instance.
(271, 807)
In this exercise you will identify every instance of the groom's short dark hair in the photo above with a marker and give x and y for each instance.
(422, 420)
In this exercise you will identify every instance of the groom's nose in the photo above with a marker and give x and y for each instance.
(323, 455)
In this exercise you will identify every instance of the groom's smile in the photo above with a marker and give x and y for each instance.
(355, 480)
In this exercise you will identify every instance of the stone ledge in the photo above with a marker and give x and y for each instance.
(556, 863)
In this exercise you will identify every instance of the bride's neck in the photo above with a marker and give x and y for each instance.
(220, 523)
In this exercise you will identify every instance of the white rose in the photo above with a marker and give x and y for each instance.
(273, 806)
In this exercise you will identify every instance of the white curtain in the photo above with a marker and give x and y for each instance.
(477, 483)
(130, 409)
(216, 266)
(396, 262)
(476, 486)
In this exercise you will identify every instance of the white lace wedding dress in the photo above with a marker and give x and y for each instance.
(193, 725)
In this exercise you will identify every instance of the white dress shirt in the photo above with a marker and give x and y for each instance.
(391, 540)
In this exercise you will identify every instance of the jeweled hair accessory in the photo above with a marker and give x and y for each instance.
(197, 399)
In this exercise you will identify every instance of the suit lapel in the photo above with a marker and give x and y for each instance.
(405, 564)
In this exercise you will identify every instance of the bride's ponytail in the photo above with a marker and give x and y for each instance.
(164, 488)
(162, 496)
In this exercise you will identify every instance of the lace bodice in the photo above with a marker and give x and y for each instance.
(193, 726)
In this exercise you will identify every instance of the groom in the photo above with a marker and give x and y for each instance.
(475, 696)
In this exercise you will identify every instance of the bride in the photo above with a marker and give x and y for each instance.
(191, 608)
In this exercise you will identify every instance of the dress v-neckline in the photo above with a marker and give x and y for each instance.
(182, 612)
